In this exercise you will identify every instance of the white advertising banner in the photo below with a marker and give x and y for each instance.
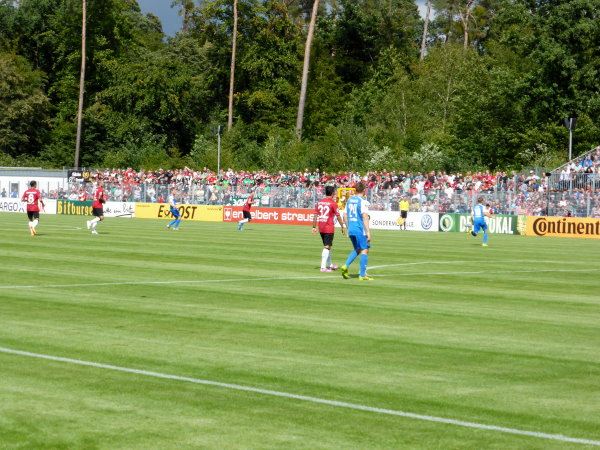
(15, 205)
(119, 209)
(416, 221)
(12, 205)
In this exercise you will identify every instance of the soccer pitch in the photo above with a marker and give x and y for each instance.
(206, 337)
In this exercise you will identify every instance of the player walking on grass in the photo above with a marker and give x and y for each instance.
(174, 211)
(357, 223)
(33, 197)
(479, 214)
(246, 212)
(325, 211)
(98, 200)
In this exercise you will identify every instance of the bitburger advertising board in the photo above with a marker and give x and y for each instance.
(111, 209)
(571, 227)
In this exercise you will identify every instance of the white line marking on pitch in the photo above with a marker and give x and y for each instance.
(462, 262)
(316, 277)
(355, 406)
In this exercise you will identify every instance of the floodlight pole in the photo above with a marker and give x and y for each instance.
(570, 123)
(570, 143)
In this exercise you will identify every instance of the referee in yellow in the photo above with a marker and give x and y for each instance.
(404, 206)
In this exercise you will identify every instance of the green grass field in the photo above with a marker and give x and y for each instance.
(505, 336)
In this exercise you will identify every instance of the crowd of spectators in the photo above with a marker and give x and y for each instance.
(580, 173)
(434, 191)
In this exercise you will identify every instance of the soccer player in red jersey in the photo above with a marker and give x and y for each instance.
(246, 212)
(33, 197)
(98, 200)
(325, 211)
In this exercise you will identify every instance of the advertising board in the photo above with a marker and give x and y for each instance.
(198, 213)
(498, 224)
(111, 209)
(563, 227)
(15, 205)
(416, 221)
(278, 216)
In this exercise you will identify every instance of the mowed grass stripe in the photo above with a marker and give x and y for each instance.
(432, 344)
(327, 402)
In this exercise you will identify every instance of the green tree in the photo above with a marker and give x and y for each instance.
(23, 107)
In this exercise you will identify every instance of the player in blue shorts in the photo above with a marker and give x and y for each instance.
(479, 214)
(174, 211)
(357, 224)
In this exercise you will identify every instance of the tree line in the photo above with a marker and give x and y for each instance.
(334, 84)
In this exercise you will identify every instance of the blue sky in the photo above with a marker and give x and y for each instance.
(171, 21)
(169, 17)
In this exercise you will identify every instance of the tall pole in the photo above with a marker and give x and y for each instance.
(304, 83)
(218, 150)
(232, 68)
(81, 85)
(570, 139)
(425, 28)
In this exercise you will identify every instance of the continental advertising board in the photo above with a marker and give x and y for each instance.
(198, 213)
(563, 227)
(497, 224)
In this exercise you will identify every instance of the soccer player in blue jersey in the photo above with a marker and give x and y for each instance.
(479, 214)
(357, 224)
(174, 211)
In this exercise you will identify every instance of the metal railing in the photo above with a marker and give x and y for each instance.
(576, 203)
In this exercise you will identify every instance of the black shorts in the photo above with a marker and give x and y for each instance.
(32, 215)
(247, 215)
(98, 212)
(327, 239)
(403, 214)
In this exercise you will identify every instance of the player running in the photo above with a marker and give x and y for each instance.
(357, 223)
(479, 214)
(33, 197)
(246, 212)
(99, 198)
(325, 211)
(174, 211)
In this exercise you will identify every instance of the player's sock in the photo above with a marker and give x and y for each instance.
(351, 257)
(329, 263)
(364, 260)
(172, 223)
(94, 221)
(485, 237)
(177, 222)
(324, 258)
